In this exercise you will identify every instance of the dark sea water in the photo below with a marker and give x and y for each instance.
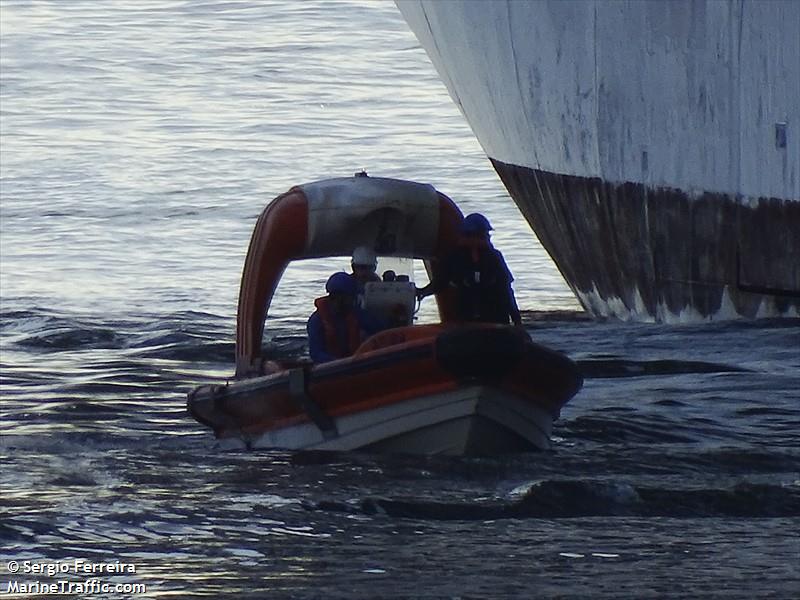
(140, 140)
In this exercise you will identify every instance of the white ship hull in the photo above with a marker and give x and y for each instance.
(654, 147)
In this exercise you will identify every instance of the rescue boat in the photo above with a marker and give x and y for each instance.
(445, 388)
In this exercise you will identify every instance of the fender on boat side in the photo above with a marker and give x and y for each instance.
(485, 352)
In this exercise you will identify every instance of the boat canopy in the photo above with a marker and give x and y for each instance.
(331, 218)
(394, 218)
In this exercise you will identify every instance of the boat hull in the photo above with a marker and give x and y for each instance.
(652, 146)
(471, 421)
(464, 390)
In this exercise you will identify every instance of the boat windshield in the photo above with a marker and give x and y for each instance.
(391, 268)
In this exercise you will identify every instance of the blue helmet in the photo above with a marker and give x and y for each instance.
(475, 223)
(341, 283)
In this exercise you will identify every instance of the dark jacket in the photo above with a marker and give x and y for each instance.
(332, 336)
(483, 280)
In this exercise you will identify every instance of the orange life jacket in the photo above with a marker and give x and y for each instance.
(328, 320)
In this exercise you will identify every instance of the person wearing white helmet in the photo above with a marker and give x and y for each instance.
(480, 274)
(364, 264)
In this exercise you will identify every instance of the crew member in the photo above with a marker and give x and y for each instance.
(337, 327)
(479, 273)
(364, 264)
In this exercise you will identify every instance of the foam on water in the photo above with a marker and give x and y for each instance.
(615, 307)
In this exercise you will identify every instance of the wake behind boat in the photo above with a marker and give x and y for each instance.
(447, 388)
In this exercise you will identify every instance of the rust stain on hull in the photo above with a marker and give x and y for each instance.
(648, 250)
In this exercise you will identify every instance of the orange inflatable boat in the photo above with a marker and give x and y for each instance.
(448, 388)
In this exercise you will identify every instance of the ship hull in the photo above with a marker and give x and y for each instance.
(636, 253)
(652, 147)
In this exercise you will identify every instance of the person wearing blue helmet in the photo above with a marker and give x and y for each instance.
(337, 327)
(480, 274)
(475, 223)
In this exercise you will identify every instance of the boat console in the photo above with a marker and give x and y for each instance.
(391, 301)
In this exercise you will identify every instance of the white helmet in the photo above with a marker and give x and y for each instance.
(364, 256)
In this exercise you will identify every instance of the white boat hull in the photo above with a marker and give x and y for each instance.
(474, 420)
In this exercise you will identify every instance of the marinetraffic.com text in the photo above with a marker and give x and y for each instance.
(70, 577)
